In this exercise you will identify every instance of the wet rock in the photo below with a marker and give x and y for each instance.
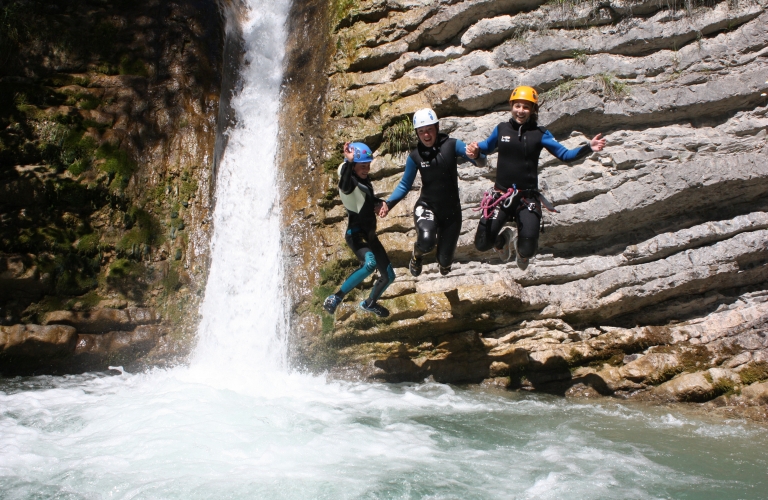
(651, 366)
(36, 341)
(100, 321)
(757, 392)
(692, 387)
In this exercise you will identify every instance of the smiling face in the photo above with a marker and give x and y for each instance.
(521, 110)
(427, 135)
(361, 169)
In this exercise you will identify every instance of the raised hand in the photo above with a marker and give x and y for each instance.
(349, 154)
(597, 143)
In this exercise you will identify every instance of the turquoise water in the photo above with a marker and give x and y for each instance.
(175, 435)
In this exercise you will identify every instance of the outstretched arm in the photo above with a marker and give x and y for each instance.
(561, 152)
(404, 186)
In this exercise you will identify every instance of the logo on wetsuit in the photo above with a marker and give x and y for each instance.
(505, 138)
(425, 164)
(422, 214)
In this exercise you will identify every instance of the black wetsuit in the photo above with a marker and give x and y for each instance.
(437, 213)
(519, 149)
(361, 237)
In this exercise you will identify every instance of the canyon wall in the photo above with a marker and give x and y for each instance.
(107, 128)
(656, 266)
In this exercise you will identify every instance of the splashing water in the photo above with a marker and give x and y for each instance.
(237, 424)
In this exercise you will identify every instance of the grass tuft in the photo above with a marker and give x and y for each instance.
(400, 137)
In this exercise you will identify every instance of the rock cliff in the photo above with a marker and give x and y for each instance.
(651, 281)
(107, 127)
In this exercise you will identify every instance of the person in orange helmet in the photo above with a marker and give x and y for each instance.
(515, 195)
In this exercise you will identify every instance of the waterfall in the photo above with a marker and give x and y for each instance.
(243, 313)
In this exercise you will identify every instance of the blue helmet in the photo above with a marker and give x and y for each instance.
(363, 153)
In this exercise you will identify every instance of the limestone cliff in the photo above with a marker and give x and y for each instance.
(107, 128)
(656, 267)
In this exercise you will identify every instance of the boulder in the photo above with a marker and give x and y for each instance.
(693, 387)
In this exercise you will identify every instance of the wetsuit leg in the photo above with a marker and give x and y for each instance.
(488, 229)
(528, 224)
(386, 273)
(426, 229)
(448, 232)
(357, 242)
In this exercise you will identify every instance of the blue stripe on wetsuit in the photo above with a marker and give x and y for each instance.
(358, 276)
(548, 141)
(411, 169)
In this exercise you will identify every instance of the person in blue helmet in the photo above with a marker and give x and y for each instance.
(515, 195)
(356, 192)
(437, 213)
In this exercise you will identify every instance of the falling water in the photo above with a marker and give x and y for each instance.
(236, 423)
(243, 314)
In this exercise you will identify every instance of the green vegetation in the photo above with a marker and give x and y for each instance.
(331, 165)
(144, 231)
(117, 164)
(339, 9)
(332, 275)
(755, 372)
(580, 56)
(400, 136)
(132, 66)
(561, 91)
(610, 86)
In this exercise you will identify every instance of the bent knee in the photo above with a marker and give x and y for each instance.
(370, 262)
(426, 242)
(390, 273)
(527, 247)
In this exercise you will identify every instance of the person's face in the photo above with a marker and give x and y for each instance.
(362, 169)
(427, 135)
(521, 110)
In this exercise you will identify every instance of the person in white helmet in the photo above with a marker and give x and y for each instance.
(437, 213)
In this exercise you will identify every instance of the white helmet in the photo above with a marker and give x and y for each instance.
(424, 117)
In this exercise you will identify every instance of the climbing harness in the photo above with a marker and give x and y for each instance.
(488, 203)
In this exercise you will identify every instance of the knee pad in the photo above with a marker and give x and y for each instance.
(370, 262)
(527, 247)
(426, 241)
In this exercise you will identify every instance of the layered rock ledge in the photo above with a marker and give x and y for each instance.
(651, 280)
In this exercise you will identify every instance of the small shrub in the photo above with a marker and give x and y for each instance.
(580, 56)
(400, 137)
(611, 87)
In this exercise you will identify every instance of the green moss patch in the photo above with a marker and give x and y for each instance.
(755, 372)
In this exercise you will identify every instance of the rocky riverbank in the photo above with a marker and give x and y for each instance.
(107, 128)
(651, 282)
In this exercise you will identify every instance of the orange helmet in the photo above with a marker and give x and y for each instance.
(525, 93)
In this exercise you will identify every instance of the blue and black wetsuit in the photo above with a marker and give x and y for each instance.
(519, 149)
(361, 237)
(437, 213)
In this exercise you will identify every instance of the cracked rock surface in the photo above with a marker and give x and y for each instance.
(651, 280)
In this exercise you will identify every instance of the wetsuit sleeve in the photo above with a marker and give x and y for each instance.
(488, 146)
(405, 183)
(561, 152)
(461, 150)
(346, 183)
